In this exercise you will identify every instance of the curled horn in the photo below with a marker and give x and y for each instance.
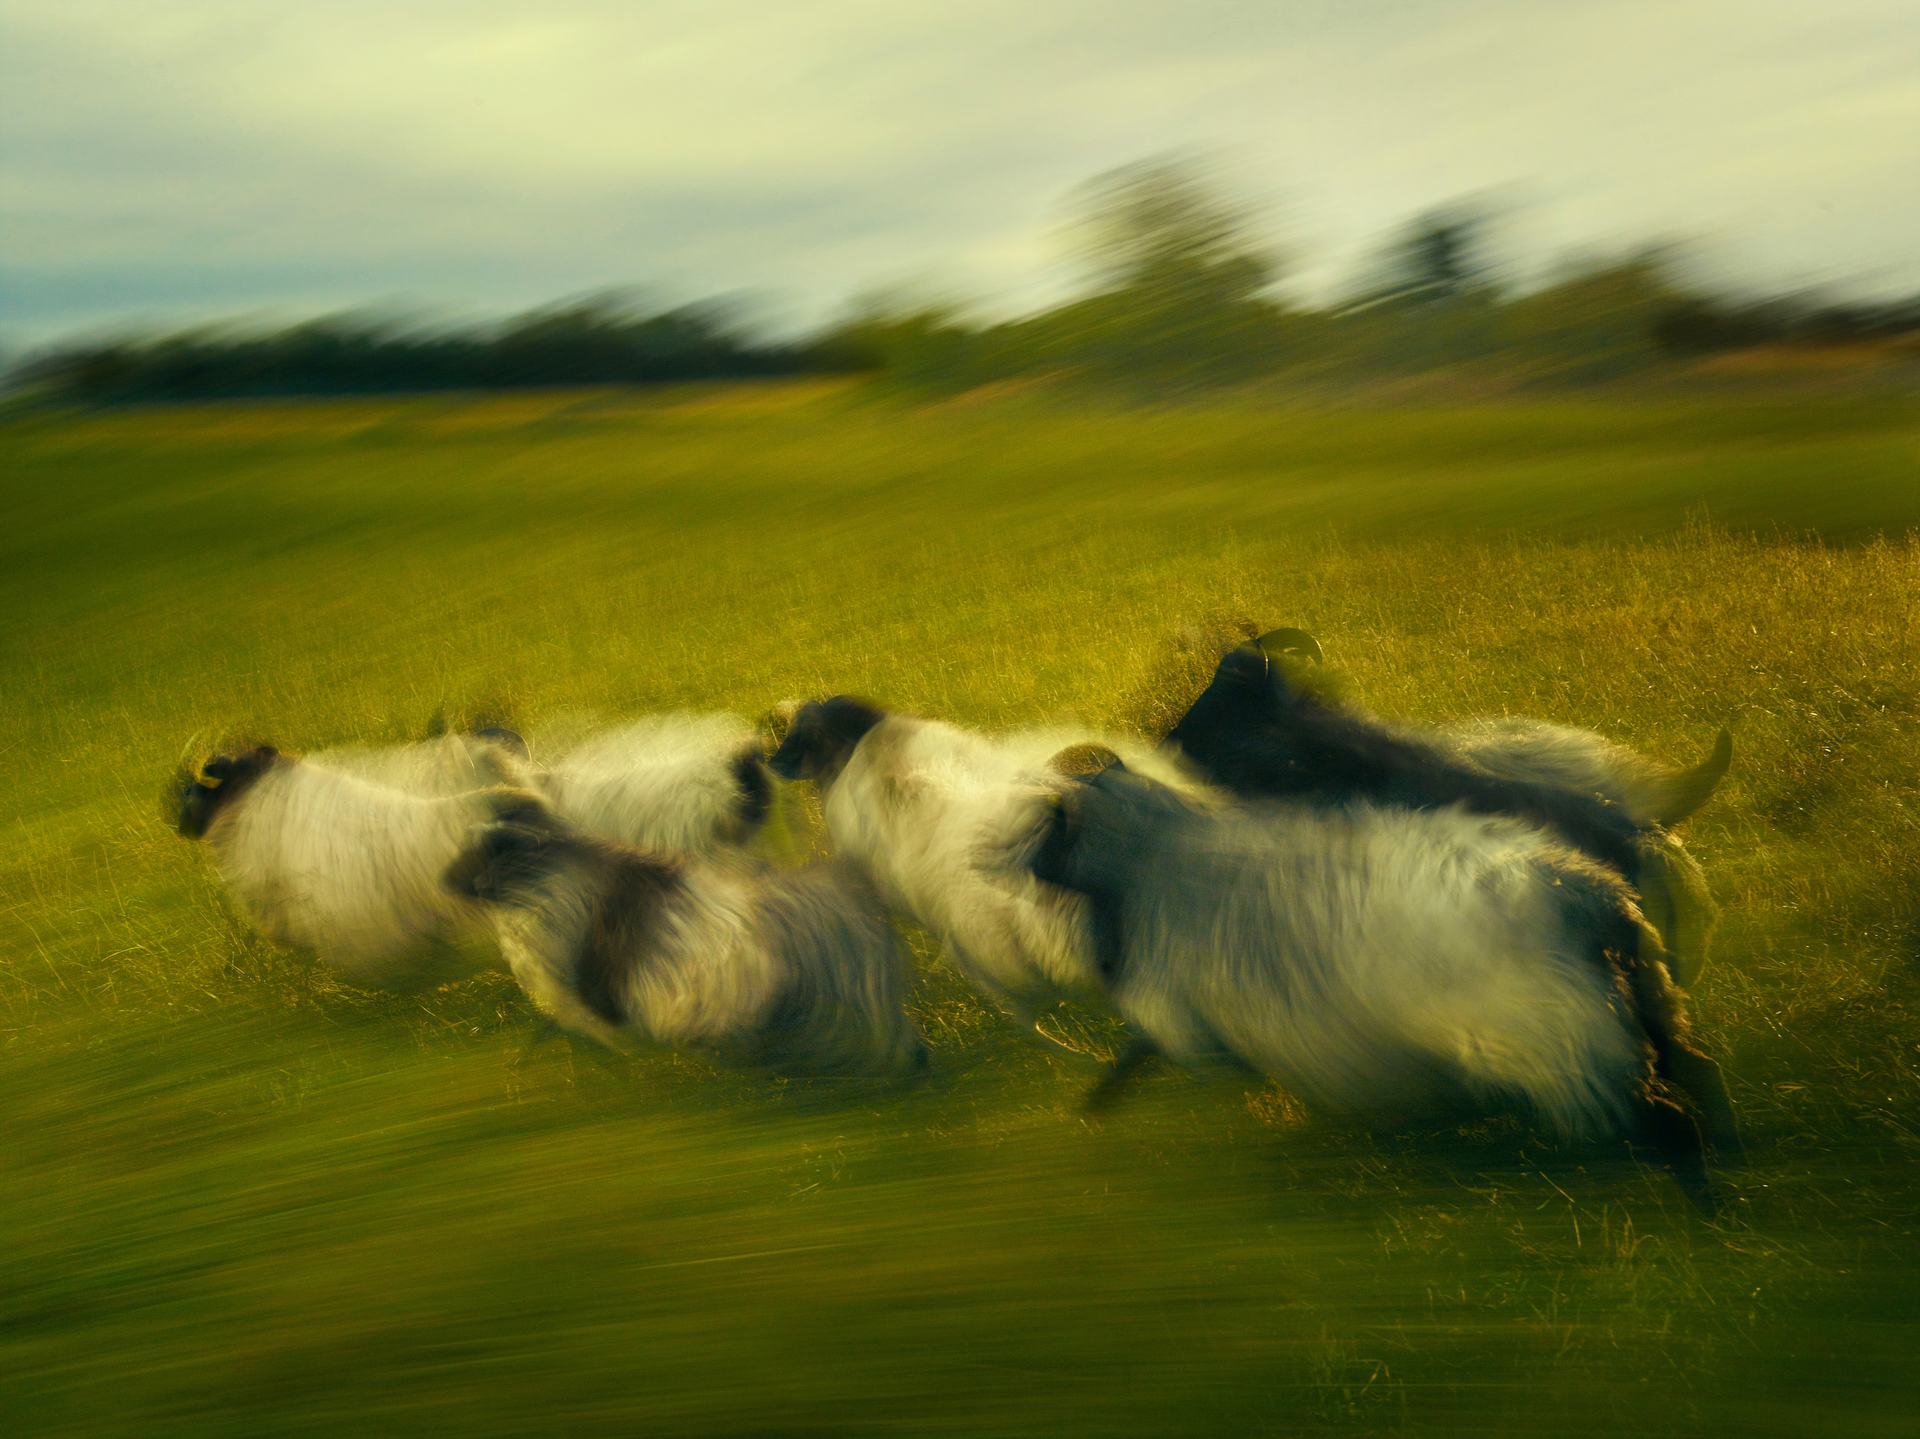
(1687, 791)
(1083, 761)
(1275, 643)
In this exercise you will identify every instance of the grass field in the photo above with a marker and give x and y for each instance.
(240, 1198)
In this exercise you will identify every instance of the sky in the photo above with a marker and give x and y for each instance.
(165, 162)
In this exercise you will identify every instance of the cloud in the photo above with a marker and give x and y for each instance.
(494, 154)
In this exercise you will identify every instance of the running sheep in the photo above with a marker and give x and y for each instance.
(1374, 959)
(1257, 734)
(793, 970)
(341, 852)
(692, 782)
(323, 860)
(687, 782)
(911, 801)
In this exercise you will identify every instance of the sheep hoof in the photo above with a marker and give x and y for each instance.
(1113, 1087)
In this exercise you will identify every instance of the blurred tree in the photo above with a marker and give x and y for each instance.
(1429, 299)
(915, 343)
(1161, 228)
(1178, 268)
(1599, 320)
(1438, 255)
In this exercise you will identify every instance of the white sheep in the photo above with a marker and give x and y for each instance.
(323, 860)
(688, 782)
(692, 782)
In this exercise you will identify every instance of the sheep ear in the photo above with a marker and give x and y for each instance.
(505, 839)
(506, 739)
(517, 807)
(1275, 643)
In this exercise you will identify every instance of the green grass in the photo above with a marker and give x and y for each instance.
(240, 1198)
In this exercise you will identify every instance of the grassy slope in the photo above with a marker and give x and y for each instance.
(240, 1198)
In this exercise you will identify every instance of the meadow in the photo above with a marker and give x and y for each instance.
(240, 1197)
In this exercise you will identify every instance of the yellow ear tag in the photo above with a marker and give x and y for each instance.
(205, 780)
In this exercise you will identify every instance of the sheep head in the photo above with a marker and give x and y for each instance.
(206, 789)
(822, 735)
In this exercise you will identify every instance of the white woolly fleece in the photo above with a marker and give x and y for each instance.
(917, 806)
(325, 861)
(1348, 954)
(664, 782)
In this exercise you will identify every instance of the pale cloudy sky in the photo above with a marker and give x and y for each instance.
(173, 160)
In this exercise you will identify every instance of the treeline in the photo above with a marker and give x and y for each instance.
(603, 339)
(1179, 299)
(1182, 300)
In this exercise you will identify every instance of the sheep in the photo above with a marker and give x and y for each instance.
(1369, 957)
(796, 971)
(693, 782)
(690, 782)
(439, 768)
(322, 860)
(1258, 734)
(910, 800)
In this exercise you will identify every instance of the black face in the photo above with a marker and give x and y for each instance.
(1095, 841)
(821, 737)
(1242, 696)
(756, 790)
(1248, 691)
(503, 865)
(217, 784)
(1052, 861)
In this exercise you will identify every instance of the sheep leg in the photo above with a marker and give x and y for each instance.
(1023, 1014)
(1137, 1056)
(1029, 1022)
(541, 1033)
(1674, 1134)
(1701, 1080)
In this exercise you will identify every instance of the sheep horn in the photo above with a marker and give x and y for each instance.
(1083, 761)
(1687, 791)
(1290, 642)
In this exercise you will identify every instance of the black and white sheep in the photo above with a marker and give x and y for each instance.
(1257, 734)
(796, 970)
(913, 802)
(1375, 958)
(323, 860)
